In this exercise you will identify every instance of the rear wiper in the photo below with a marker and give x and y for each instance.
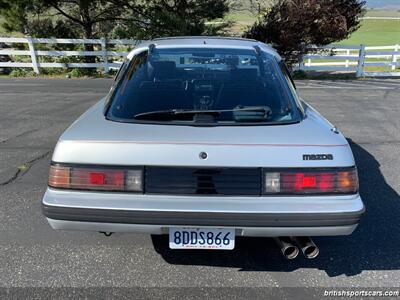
(265, 110)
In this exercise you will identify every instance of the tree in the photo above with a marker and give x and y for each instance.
(113, 18)
(94, 18)
(14, 14)
(291, 26)
(60, 18)
(159, 18)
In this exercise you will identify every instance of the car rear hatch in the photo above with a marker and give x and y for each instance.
(92, 139)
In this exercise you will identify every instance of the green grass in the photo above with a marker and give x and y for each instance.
(242, 17)
(382, 13)
(371, 32)
(376, 33)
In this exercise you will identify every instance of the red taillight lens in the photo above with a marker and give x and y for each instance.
(308, 181)
(92, 178)
(326, 182)
(97, 178)
(102, 179)
(329, 181)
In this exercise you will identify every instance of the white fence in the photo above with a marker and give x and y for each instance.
(101, 44)
(359, 59)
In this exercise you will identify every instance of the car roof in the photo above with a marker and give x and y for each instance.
(207, 41)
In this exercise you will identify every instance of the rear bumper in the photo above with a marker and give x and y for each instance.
(200, 218)
(256, 216)
(239, 231)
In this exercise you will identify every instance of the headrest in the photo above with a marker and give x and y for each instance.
(164, 69)
(244, 74)
(232, 62)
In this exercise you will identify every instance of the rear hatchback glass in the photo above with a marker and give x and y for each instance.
(152, 87)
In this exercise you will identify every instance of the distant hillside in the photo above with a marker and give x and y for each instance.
(372, 32)
(375, 4)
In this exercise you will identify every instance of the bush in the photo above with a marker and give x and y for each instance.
(112, 72)
(82, 72)
(20, 72)
(299, 74)
(52, 71)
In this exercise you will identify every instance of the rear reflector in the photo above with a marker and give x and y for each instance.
(94, 178)
(329, 181)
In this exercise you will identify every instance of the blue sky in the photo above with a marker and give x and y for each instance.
(383, 3)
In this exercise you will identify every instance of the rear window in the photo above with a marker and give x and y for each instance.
(219, 86)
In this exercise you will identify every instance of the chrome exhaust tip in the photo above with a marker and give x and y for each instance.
(307, 246)
(288, 249)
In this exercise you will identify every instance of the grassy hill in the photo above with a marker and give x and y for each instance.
(376, 33)
(372, 32)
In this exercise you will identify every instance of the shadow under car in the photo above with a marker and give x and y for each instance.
(374, 245)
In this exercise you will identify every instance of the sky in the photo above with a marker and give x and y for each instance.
(383, 4)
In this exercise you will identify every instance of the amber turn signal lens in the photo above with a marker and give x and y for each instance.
(59, 177)
(347, 181)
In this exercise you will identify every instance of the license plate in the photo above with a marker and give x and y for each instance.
(201, 238)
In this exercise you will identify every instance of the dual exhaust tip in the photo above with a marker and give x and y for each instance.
(290, 246)
(287, 245)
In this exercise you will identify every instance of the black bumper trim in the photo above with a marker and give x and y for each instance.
(201, 218)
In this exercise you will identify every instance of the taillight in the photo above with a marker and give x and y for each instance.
(94, 178)
(311, 181)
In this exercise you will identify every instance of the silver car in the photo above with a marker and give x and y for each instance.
(205, 139)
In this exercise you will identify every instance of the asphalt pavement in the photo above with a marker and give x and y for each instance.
(34, 112)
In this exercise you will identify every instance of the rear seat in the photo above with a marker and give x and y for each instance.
(160, 95)
(163, 89)
(162, 71)
(245, 84)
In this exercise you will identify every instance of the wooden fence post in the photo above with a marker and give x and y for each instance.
(33, 55)
(361, 60)
(104, 54)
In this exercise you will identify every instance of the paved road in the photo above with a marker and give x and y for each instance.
(34, 112)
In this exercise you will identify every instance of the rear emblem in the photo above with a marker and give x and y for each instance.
(203, 155)
(317, 157)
